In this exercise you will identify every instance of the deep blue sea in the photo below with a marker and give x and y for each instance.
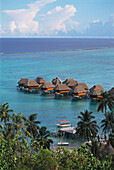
(86, 60)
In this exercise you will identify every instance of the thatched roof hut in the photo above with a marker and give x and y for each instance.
(56, 81)
(40, 80)
(67, 80)
(96, 91)
(47, 86)
(62, 88)
(111, 91)
(72, 83)
(79, 90)
(22, 82)
(84, 85)
(31, 84)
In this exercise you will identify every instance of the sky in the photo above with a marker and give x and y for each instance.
(57, 18)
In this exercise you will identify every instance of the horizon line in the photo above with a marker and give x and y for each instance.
(59, 37)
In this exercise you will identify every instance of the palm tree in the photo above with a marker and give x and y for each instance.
(19, 124)
(4, 112)
(87, 127)
(31, 124)
(19, 131)
(43, 138)
(108, 123)
(106, 101)
(95, 148)
(111, 138)
(1, 132)
(8, 132)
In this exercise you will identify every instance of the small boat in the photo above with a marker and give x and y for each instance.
(63, 144)
(63, 123)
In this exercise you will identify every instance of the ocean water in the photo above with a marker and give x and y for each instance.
(22, 58)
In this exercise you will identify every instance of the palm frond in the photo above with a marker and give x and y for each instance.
(33, 116)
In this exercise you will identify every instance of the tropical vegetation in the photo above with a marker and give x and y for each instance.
(87, 127)
(26, 145)
(108, 123)
(106, 102)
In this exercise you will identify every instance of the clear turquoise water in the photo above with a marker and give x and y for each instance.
(89, 66)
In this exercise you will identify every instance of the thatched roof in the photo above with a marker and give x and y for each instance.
(47, 85)
(40, 80)
(56, 81)
(31, 83)
(61, 87)
(68, 80)
(72, 83)
(78, 89)
(96, 90)
(111, 91)
(23, 81)
(84, 85)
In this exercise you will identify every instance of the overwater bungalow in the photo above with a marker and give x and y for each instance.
(30, 85)
(96, 91)
(84, 85)
(67, 80)
(62, 88)
(40, 80)
(47, 86)
(22, 82)
(56, 81)
(72, 83)
(111, 91)
(79, 90)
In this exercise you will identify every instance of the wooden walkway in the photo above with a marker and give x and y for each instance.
(71, 130)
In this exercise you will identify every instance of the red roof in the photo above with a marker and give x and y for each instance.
(64, 121)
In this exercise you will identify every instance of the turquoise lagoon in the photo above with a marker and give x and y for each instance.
(89, 66)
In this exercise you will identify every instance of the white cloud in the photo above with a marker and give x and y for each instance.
(27, 22)
(40, 3)
(73, 24)
(98, 28)
(1, 30)
(12, 26)
(55, 19)
(96, 21)
(23, 19)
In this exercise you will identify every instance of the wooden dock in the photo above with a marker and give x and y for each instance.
(68, 131)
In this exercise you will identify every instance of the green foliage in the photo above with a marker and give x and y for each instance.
(7, 155)
(4, 112)
(43, 138)
(48, 159)
(111, 138)
(106, 101)
(16, 153)
(87, 127)
(31, 124)
(108, 123)
(80, 159)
